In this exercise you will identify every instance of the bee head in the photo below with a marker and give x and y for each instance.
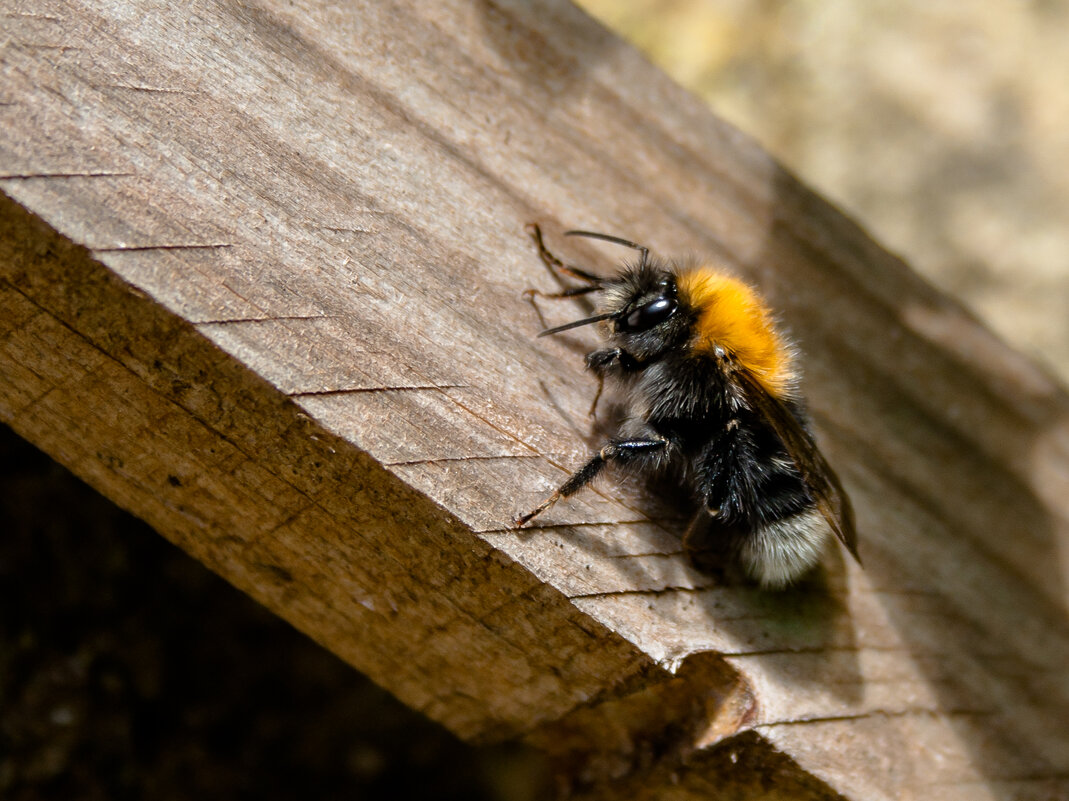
(644, 313)
(640, 310)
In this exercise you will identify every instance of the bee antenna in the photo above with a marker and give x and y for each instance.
(627, 243)
(587, 321)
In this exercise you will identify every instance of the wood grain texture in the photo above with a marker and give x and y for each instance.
(260, 284)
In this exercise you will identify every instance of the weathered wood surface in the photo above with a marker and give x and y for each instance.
(260, 273)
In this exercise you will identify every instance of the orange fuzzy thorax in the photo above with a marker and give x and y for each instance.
(731, 316)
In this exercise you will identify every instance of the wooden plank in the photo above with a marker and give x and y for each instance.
(261, 270)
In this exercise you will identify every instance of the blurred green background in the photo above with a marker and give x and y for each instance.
(942, 127)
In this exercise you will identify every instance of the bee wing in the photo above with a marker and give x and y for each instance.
(817, 474)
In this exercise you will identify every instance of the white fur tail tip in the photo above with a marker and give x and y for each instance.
(782, 552)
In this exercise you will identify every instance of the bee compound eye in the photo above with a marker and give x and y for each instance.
(650, 314)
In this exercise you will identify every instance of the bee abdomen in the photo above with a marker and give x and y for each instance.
(779, 552)
(761, 503)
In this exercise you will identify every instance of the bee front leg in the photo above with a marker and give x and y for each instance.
(623, 451)
(555, 265)
(605, 362)
(591, 282)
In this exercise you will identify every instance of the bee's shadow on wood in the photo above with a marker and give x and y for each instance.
(803, 633)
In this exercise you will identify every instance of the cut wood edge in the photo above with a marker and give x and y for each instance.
(234, 473)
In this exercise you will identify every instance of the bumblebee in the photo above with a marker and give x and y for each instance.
(712, 393)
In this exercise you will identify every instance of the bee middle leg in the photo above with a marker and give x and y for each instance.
(620, 451)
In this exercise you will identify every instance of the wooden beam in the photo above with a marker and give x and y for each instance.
(260, 273)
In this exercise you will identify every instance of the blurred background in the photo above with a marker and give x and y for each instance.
(127, 670)
(942, 127)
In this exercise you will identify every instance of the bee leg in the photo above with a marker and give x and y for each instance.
(626, 450)
(597, 396)
(530, 294)
(591, 282)
(556, 265)
(599, 362)
(609, 360)
(604, 362)
(705, 544)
